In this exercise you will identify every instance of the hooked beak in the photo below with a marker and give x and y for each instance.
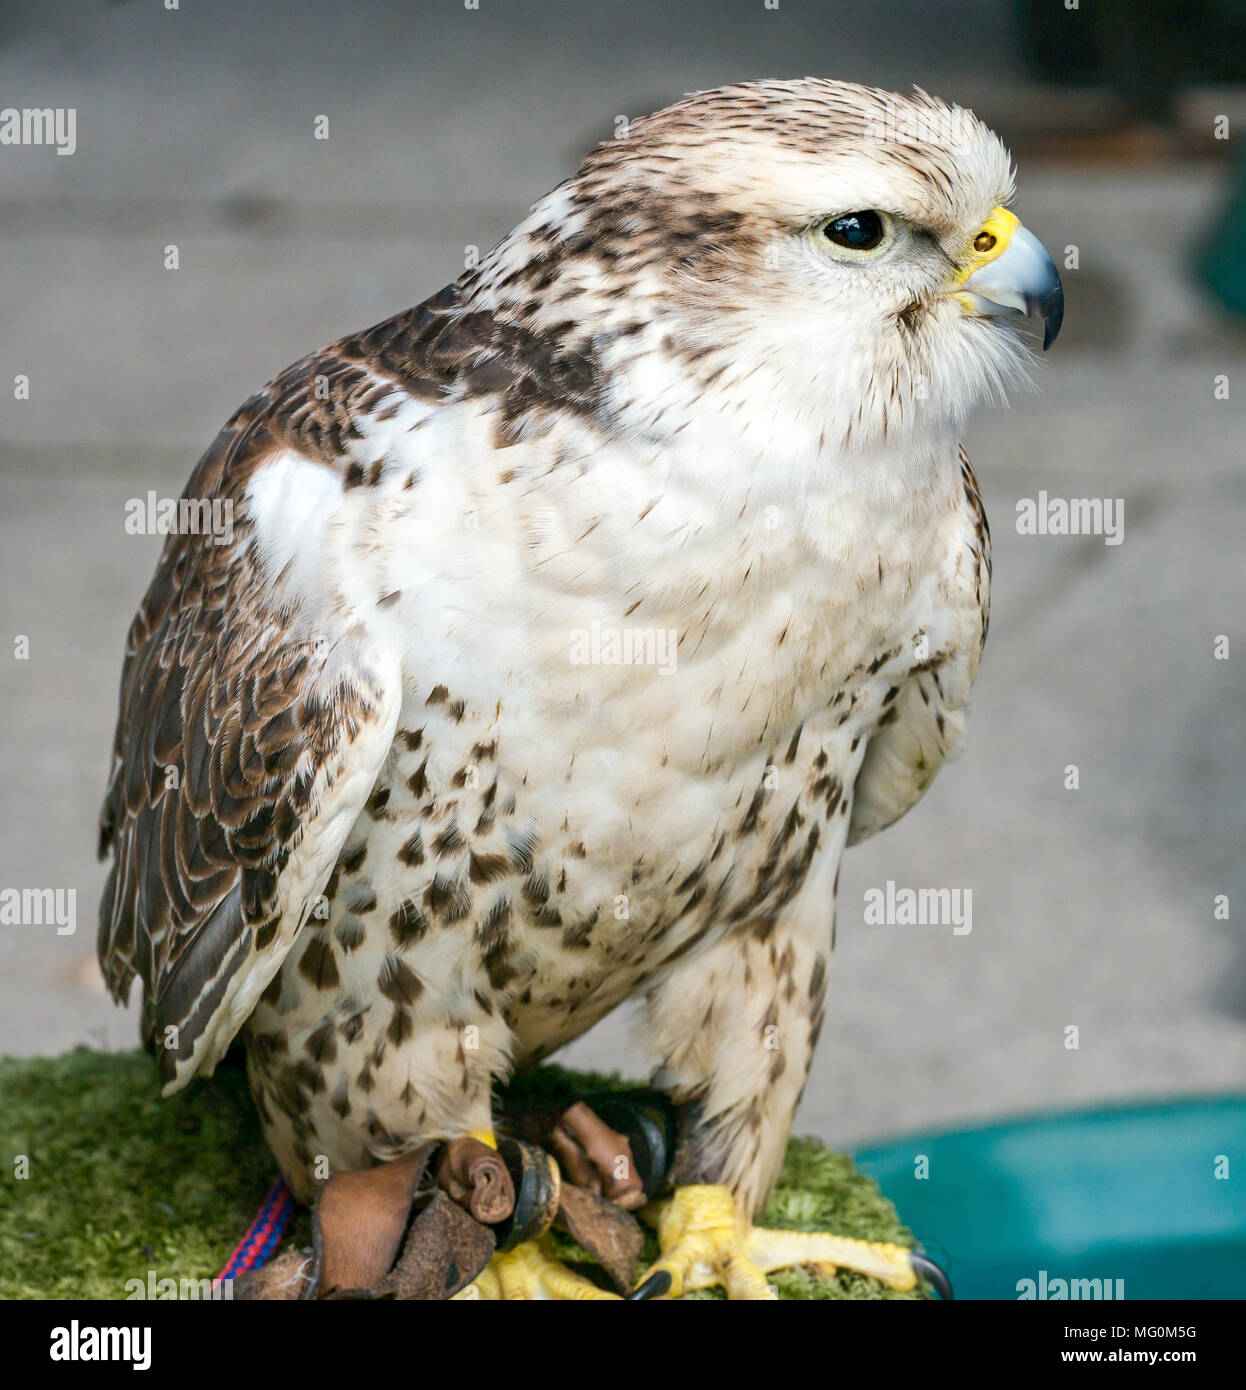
(1010, 272)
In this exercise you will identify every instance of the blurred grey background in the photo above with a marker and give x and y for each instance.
(1092, 908)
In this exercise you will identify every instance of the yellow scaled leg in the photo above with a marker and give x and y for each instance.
(706, 1241)
(529, 1271)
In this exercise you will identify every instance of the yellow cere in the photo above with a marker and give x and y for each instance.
(993, 238)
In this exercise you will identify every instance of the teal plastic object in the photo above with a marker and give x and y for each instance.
(1220, 263)
(1127, 1194)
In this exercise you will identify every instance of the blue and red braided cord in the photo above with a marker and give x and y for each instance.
(255, 1248)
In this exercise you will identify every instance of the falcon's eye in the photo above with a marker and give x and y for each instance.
(856, 231)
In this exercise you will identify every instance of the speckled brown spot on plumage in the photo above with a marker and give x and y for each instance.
(791, 823)
(360, 898)
(830, 790)
(487, 868)
(692, 878)
(536, 889)
(450, 840)
(351, 863)
(521, 848)
(817, 979)
(688, 944)
(349, 934)
(352, 1026)
(397, 981)
(411, 852)
(401, 1027)
(321, 1044)
(493, 937)
(447, 899)
(749, 824)
(407, 924)
(311, 1076)
(580, 936)
(318, 966)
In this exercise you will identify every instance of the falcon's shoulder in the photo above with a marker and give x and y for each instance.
(925, 724)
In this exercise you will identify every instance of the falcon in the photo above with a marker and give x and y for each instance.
(569, 627)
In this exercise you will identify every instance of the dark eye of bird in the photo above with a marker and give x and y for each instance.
(859, 231)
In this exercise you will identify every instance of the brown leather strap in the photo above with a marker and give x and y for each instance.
(611, 1235)
(597, 1158)
(444, 1252)
(388, 1232)
(359, 1222)
(475, 1176)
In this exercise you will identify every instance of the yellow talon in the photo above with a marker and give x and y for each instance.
(702, 1238)
(706, 1241)
(889, 1264)
(529, 1271)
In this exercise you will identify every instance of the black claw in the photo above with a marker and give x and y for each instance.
(658, 1283)
(926, 1269)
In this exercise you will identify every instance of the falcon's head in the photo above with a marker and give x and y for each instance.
(825, 258)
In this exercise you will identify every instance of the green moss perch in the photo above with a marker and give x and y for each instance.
(120, 1182)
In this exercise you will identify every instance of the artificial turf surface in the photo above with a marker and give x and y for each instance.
(119, 1182)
